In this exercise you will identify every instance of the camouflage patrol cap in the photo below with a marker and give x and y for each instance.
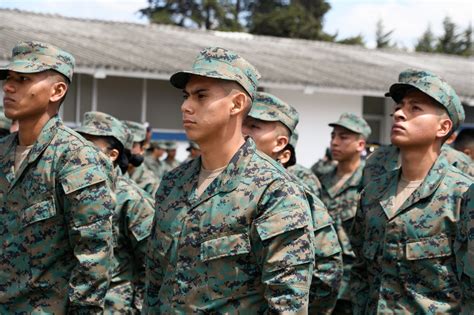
(137, 129)
(433, 86)
(354, 123)
(171, 145)
(192, 145)
(268, 107)
(220, 63)
(34, 57)
(104, 125)
(294, 138)
(5, 123)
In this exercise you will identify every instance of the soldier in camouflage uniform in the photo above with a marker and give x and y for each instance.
(465, 143)
(152, 158)
(232, 231)
(56, 201)
(5, 124)
(132, 219)
(194, 151)
(271, 123)
(405, 227)
(341, 187)
(142, 175)
(170, 161)
(302, 173)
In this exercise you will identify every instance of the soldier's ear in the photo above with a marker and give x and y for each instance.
(239, 100)
(58, 91)
(444, 127)
(281, 142)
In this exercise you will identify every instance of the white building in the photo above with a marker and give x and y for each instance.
(123, 69)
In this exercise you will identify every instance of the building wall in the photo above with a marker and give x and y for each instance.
(316, 111)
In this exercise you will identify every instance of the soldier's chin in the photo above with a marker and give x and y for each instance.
(399, 140)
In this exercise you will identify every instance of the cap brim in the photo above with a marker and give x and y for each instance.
(180, 79)
(397, 91)
(344, 126)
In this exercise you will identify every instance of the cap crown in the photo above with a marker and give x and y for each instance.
(34, 57)
(268, 107)
(354, 123)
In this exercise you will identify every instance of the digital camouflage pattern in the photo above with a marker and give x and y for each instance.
(34, 57)
(138, 130)
(307, 178)
(433, 86)
(458, 159)
(132, 222)
(268, 107)
(5, 123)
(104, 125)
(146, 179)
(354, 123)
(158, 167)
(464, 253)
(245, 244)
(342, 206)
(406, 262)
(386, 159)
(220, 63)
(328, 268)
(55, 225)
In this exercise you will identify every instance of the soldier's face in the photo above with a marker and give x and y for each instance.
(345, 144)
(264, 133)
(29, 95)
(418, 121)
(206, 109)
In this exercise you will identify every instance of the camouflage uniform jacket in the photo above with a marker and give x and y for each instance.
(342, 206)
(171, 165)
(146, 179)
(132, 226)
(246, 244)
(156, 166)
(385, 159)
(55, 224)
(458, 159)
(405, 258)
(464, 252)
(328, 268)
(307, 178)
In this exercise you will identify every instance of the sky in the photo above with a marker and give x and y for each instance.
(408, 18)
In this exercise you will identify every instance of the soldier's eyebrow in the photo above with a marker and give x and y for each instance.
(198, 90)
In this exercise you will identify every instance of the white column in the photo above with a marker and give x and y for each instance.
(94, 94)
(78, 99)
(144, 99)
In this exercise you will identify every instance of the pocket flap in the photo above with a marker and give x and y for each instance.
(280, 223)
(438, 246)
(40, 211)
(230, 245)
(82, 178)
(369, 249)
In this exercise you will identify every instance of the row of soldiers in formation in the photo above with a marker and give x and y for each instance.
(86, 228)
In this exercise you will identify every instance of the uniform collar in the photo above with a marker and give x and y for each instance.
(230, 177)
(386, 187)
(327, 180)
(44, 139)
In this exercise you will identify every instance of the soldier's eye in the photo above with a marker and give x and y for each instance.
(185, 96)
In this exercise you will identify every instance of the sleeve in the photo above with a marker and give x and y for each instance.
(140, 219)
(283, 243)
(464, 251)
(89, 203)
(359, 287)
(327, 274)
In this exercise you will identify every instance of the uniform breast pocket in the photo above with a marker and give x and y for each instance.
(228, 264)
(429, 267)
(43, 235)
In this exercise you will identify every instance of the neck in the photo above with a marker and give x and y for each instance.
(218, 152)
(348, 166)
(417, 162)
(30, 129)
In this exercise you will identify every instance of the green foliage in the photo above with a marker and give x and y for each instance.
(426, 43)
(382, 37)
(355, 40)
(450, 42)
